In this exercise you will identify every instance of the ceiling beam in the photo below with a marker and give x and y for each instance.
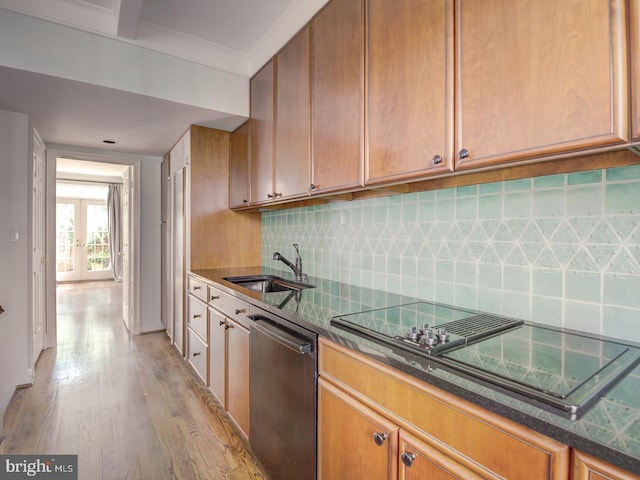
(127, 15)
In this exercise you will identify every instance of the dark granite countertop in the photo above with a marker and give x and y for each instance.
(610, 430)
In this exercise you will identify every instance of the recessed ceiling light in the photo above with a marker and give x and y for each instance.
(110, 142)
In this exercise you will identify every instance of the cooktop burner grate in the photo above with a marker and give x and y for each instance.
(479, 326)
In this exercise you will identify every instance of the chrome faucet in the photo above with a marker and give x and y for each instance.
(297, 268)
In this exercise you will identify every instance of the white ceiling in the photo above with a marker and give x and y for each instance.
(236, 36)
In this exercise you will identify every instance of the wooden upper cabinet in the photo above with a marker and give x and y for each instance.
(537, 78)
(634, 54)
(239, 167)
(262, 132)
(293, 112)
(337, 97)
(410, 89)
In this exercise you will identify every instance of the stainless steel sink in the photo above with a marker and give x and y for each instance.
(267, 283)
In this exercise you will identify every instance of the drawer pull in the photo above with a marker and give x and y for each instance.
(215, 297)
(221, 322)
(195, 354)
(227, 327)
(379, 438)
(197, 315)
(197, 287)
(408, 458)
(240, 310)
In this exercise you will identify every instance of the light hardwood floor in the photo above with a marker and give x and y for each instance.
(128, 406)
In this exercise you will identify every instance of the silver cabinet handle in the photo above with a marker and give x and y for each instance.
(215, 297)
(222, 322)
(195, 354)
(197, 315)
(197, 287)
(240, 310)
(408, 458)
(379, 438)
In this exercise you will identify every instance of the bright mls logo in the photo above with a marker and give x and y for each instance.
(50, 467)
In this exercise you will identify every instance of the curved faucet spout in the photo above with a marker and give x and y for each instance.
(297, 268)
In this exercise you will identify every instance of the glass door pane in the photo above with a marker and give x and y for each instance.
(97, 235)
(66, 222)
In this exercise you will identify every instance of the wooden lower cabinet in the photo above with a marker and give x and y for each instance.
(238, 374)
(450, 437)
(586, 467)
(419, 460)
(354, 442)
(217, 356)
(229, 366)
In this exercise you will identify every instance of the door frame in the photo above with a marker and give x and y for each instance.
(50, 231)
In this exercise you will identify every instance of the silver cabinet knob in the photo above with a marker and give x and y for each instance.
(215, 297)
(408, 458)
(464, 153)
(379, 438)
(437, 159)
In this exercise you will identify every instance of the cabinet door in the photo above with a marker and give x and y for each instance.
(239, 167)
(238, 374)
(348, 437)
(217, 356)
(634, 55)
(536, 78)
(197, 355)
(337, 100)
(262, 130)
(418, 460)
(410, 89)
(293, 129)
(586, 467)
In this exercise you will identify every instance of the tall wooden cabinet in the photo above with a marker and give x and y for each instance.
(535, 78)
(204, 233)
(410, 89)
(239, 161)
(337, 98)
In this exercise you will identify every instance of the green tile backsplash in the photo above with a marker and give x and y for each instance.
(563, 250)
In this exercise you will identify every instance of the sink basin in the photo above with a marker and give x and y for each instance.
(267, 283)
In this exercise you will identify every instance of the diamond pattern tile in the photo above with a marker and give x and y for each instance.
(354, 240)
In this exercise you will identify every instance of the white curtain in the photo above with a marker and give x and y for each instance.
(114, 210)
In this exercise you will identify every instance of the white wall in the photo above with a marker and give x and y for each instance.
(15, 268)
(27, 43)
(148, 218)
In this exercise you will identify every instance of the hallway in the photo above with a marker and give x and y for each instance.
(129, 407)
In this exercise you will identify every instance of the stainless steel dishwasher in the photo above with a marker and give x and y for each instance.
(283, 385)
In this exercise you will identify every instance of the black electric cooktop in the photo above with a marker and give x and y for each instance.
(568, 371)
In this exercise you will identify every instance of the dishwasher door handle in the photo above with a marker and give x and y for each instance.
(283, 338)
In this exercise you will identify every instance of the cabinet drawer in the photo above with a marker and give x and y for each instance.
(198, 356)
(197, 317)
(406, 399)
(231, 306)
(197, 288)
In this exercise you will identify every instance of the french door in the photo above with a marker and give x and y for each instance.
(82, 240)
